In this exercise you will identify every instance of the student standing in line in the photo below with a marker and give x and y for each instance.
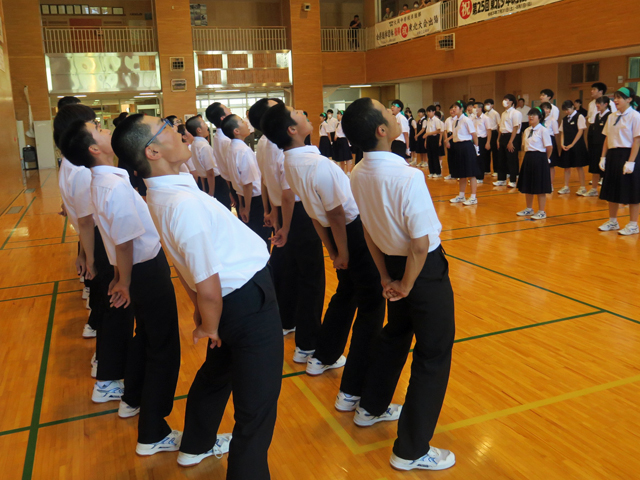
(341, 149)
(433, 142)
(447, 135)
(325, 146)
(509, 143)
(552, 125)
(465, 145)
(421, 140)
(223, 266)
(579, 108)
(439, 112)
(547, 95)
(297, 259)
(216, 113)
(621, 184)
(326, 195)
(573, 148)
(401, 144)
(142, 279)
(402, 232)
(332, 125)
(596, 143)
(412, 132)
(524, 111)
(598, 90)
(188, 139)
(494, 124)
(534, 178)
(481, 123)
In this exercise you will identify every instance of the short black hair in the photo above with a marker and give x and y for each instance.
(275, 125)
(567, 105)
(602, 87)
(66, 101)
(604, 100)
(422, 110)
(128, 143)
(489, 101)
(305, 114)
(214, 114)
(360, 122)
(471, 104)
(479, 104)
(119, 118)
(398, 103)
(548, 92)
(546, 106)
(182, 129)
(258, 109)
(438, 106)
(431, 108)
(193, 124)
(69, 114)
(521, 100)
(578, 100)
(172, 119)
(75, 143)
(510, 97)
(330, 111)
(229, 124)
(538, 113)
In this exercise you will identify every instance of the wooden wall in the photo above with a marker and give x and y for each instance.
(343, 68)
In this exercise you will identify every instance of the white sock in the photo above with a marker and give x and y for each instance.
(461, 195)
(615, 220)
(473, 196)
(633, 224)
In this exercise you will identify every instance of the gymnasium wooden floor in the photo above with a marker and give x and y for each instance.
(546, 368)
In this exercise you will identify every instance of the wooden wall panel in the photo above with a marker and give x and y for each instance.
(209, 61)
(212, 77)
(238, 60)
(343, 68)
(264, 60)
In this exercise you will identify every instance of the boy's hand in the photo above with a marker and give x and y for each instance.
(244, 215)
(81, 265)
(395, 291)
(279, 239)
(510, 147)
(119, 294)
(267, 220)
(200, 332)
(341, 262)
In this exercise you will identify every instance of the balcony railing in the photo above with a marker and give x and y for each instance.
(339, 39)
(228, 39)
(99, 39)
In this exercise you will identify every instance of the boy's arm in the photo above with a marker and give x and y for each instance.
(87, 239)
(288, 203)
(247, 191)
(378, 259)
(338, 224)
(120, 291)
(399, 289)
(211, 178)
(323, 233)
(209, 305)
(266, 204)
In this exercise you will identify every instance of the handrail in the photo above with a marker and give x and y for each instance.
(341, 39)
(99, 39)
(229, 39)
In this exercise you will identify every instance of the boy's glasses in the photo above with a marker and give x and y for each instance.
(165, 124)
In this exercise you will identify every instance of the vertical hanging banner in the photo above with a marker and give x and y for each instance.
(412, 25)
(472, 11)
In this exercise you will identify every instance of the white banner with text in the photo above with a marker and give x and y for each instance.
(411, 25)
(472, 11)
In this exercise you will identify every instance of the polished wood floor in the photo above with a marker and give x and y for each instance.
(544, 385)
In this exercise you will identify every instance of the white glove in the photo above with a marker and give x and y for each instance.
(628, 167)
(603, 161)
(408, 152)
(477, 150)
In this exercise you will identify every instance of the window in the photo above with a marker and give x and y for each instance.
(592, 72)
(577, 73)
(634, 67)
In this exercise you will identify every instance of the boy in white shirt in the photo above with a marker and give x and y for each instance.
(142, 279)
(598, 90)
(494, 124)
(547, 95)
(326, 195)
(402, 232)
(509, 143)
(245, 177)
(223, 266)
(216, 113)
(401, 144)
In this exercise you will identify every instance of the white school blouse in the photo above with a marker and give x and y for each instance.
(332, 124)
(537, 139)
(203, 156)
(340, 132)
(394, 202)
(582, 123)
(271, 163)
(75, 190)
(509, 120)
(482, 125)
(593, 110)
(448, 124)
(201, 235)
(404, 124)
(324, 129)
(622, 134)
(243, 168)
(462, 129)
(122, 215)
(552, 125)
(494, 119)
(434, 124)
(555, 112)
(320, 184)
(221, 144)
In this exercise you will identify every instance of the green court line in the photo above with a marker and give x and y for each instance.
(16, 227)
(15, 430)
(37, 246)
(26, 298)
(11, 202)
(40, 283)
(30, 456)
(64, 230)
(79, 417)
(35, 240)
(45, 180)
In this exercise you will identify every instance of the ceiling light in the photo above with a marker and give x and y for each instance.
(144, 97)
(227, 91)
(359, 86)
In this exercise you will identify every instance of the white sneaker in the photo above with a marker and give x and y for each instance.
(581, 191)
(127, 411)
(512, 184)
(170, 443)
(629, 230)
(85, 293)
(470, 201)
(363, 418)
(480, 182)
(590, 182)
(302, 356)
(525, 213)
(109, 391)
(88, 332)
(346, 402)
(487, 173)
(436, 459)
(315, 367)
(448, 177)
(539, 216)
(609, 226)
(287, 331)
(500, 183)
(458, 199)
(600, 182)
(413, 164)
(219, 449)
(591, 193)
(437, 175)
(564, 190)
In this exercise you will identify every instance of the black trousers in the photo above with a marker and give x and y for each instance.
(153, 361)
(494, 152)
(358, 287)
(116, 327)
(234, 194)
(509, 162)
(433, 154)
(399, 148)
(299, 280)
(427, 312)
(256, 219)
(221, 192)
(482, 143)
(249, 363)
(203, 184)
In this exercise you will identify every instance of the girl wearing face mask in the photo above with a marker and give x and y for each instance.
(493, 118)
(509, 143)
(465, 148)
(621, 182)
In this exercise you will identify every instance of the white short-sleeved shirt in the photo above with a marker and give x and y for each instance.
(332, 124)
(339, 131)
(203, 157)
(201, 235)
(221, 144)
(434, 124)
(271, 163)
(75, 190)
(482, 125)
(524, 111)
(394, 201)
(404, 123)
(555, 112)
(622, 134)
(494, 119)
(552, 125)
(243, 168)
(537, 139)
(462, 129)
(324, 129)
(593, 110)
(448, 124)
(581, 122)
(122, 215)
(189, 163)
(320, 184)
(509, 119)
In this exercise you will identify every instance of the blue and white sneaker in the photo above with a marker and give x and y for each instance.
(436, 459)
(363, 418)
(107, 391)
(127, 411)
(315, 367)
(170, 443)
(88, 332)
(302, 356)
(346, 402)
(219, 449)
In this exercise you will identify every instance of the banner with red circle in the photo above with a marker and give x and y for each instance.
(417, 23)
(472, 11)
